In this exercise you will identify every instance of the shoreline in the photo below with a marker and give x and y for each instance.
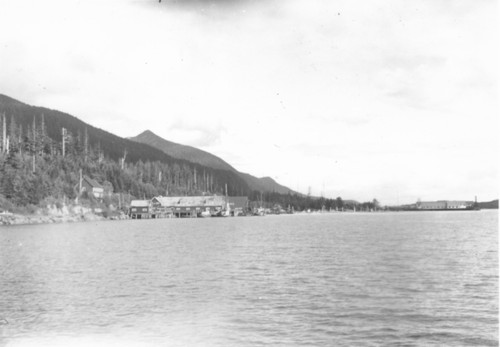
(66, 215)
(19, 219)
(87, 215)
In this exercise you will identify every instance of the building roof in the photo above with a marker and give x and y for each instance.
(139, 203)
(169, 201)
(433, 204)
(444, 203)
(91, 182)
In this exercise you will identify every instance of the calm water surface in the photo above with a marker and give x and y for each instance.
(380, 279)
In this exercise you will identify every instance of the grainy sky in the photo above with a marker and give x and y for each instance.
(387, 99)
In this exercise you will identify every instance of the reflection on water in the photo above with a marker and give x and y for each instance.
(427, 278)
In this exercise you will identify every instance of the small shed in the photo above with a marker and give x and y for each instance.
(92, 187)
(139, 209)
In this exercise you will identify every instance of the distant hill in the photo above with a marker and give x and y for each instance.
(179, 151)
(488, 205)
(266, 184)
(195, 155)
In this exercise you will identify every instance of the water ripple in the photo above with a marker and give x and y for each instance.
(403, 279)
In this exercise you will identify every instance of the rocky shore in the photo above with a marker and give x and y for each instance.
(66, 214)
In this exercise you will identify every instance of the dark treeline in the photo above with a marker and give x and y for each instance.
(301, 202)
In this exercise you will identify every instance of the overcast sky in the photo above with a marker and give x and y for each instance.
(394, 100)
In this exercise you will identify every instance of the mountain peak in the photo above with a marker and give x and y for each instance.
(147, 133)
(177, 150)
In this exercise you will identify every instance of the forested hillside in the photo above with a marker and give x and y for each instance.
(33, 168)
(35, 161)
(43, 154)
(488, 205)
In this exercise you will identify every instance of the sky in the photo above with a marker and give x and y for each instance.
(386, 99)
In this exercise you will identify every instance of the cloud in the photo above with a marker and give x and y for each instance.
(209, 3)
(348, 91)
(194, 133)
(209, 9)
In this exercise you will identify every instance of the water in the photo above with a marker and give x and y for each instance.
(380, 279)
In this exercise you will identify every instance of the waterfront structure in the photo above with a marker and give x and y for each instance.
(139, 209)
(444, 205)
(459, 204)
(188, 206)
(238, 205)
(92, 187)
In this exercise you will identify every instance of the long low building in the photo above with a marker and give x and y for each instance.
(444, 205)
(188, 206)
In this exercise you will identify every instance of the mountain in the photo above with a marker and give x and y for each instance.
(195, 155)
(179, 151)
(21, 119)
(265, 184)
(144, 147)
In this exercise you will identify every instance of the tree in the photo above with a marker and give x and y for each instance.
(11, 182)
(339, 203)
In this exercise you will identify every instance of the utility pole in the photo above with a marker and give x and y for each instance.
(43, 135)
(80, 183)
(195, 177)
(43, 126)
(79, 187)
(19, 139)
(86, 144)
(34, 144)
(4, 133)
(123, 159)
(64, 142)
(5, 147)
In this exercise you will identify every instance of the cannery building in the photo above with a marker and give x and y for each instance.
(188, 206)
